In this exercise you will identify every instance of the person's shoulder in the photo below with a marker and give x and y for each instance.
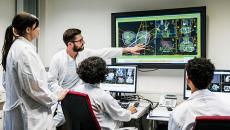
(59, 54)
(20, 44)
(181, 109)
(103, 94)
(79, 88)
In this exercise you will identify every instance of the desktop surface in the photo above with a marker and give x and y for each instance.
(142, 108)
(159, 113)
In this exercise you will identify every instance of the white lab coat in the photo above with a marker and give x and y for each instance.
(201, 102)
(28, 99)
(58, 69)
(58, 65)
(106, 109)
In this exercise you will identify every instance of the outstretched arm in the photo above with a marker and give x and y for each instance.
(134, 50)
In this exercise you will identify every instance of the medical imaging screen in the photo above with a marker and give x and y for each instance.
(220, 83)
(161, 37)
(120, 79)
(167, 38)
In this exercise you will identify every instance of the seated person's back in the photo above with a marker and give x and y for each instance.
(202, 102)
(107, 110)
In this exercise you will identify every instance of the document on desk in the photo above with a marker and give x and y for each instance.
(159, 113)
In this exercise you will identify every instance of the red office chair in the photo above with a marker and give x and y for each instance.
(212, 123)
(78, 112)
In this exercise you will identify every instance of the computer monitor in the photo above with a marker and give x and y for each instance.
(171, 36)
(219, 85)
(121, 79)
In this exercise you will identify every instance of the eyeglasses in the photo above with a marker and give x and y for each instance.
(80, 40)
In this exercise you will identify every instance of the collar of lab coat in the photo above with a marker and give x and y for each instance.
(199, 93)
(28, 42)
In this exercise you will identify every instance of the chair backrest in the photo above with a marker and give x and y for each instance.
(212, 123)
(78, 112)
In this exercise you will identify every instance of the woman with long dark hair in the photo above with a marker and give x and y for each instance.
(28, 99)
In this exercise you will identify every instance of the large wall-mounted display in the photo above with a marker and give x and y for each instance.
(171, 36)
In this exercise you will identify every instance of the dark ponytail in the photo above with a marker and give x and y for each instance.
(9, 37)
(18, 28)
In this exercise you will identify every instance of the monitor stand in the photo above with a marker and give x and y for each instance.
(118, 95)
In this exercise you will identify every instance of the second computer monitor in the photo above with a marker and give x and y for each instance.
(219, 85)
(120, 79)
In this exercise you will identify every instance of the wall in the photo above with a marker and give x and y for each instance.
(7, 12)
(94, 19)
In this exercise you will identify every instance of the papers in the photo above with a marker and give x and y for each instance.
(160, 112)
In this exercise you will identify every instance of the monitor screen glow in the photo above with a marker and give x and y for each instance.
(120, 79)
(171, 36)
(219, 85)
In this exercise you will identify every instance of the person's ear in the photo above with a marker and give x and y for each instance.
(28, 29)
(15, 32)
(69, 44)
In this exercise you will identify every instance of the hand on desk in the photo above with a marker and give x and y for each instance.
(133, 109)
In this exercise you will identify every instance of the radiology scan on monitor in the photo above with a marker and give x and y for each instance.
(171, 37)
(120, 79)
(220, 84)
(120, 76)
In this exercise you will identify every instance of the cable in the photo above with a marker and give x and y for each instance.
(136, 97)
(151, 102)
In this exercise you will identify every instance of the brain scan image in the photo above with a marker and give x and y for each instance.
(215, 88)
(186, 45)
(120, 80)
(129, 80)
(110, 76)
(186, 27)
(130, 72)
(120, 72)
(226, 88)
(227, 79)
(143, 37)
(128, 37)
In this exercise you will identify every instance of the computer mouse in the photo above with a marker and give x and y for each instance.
(136, 104)
(169, 109)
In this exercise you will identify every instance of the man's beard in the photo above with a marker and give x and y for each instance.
(78, 49)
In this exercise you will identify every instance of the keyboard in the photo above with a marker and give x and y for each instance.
(124, 105)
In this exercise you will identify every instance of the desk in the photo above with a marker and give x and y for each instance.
(160, 115)
(139, 118)
(142, 109)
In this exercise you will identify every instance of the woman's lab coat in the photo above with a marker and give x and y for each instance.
(28, 99)
(107, 110)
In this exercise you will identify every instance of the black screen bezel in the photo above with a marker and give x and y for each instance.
(201, 10)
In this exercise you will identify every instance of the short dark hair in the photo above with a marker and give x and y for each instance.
(69, 35)
(92, 70)
(200, 71)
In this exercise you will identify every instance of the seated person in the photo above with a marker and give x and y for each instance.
(202, 102)
(108, 112)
